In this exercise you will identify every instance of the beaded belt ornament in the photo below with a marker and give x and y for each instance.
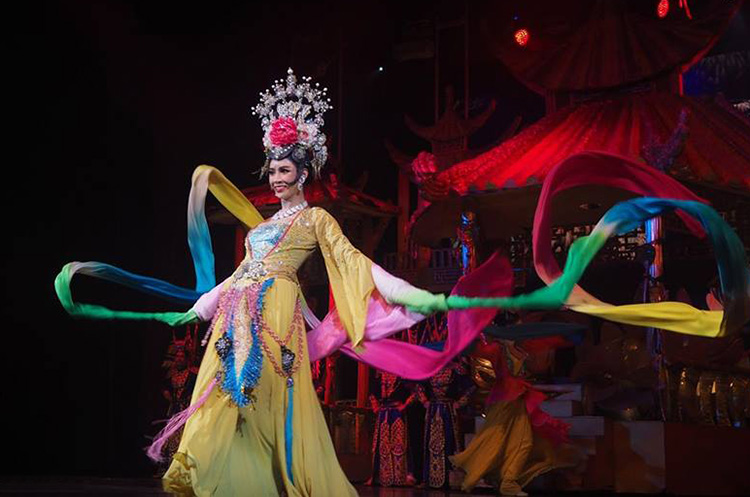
(242, 342)
(242, 310)
(254, 270)
(290, 362)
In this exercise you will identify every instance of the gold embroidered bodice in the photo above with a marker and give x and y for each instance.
(278, 248)
(275, 250)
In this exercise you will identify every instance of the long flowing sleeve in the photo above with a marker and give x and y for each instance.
(371, 305)
(205, 179)
(358, 284)
(349, 273)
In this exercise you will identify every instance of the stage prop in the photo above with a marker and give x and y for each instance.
(601, 104)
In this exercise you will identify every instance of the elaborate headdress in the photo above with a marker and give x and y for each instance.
(291, 116)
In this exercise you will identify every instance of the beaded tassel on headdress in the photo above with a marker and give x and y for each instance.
(291, 114)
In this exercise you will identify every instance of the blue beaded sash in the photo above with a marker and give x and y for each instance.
(239, 384)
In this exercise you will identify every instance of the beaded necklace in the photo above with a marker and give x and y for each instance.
(290, 211)
(240, 386)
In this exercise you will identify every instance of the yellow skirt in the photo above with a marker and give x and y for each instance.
(223, 454)
(506, 450)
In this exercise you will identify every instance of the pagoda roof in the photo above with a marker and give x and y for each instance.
(505, 181)
(716, 151)
(451, 126)
(405, 160)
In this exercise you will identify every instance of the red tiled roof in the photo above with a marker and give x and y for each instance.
(717, 150)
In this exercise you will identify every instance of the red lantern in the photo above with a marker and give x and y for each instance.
(662, 9)
(522, 37)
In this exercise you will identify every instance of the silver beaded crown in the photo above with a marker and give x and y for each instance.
(296, 107)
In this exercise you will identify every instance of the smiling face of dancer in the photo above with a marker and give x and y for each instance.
(286, 180)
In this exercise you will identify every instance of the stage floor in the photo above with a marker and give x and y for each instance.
(71, 486)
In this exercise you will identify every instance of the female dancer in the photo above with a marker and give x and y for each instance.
(255, 425)
(518, 440)
(262, 430)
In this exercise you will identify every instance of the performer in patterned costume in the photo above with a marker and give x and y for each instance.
(446, 392)
(391, 454)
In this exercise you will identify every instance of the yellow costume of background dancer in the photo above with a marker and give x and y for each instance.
(517, 441)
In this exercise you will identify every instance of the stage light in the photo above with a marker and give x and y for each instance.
(522, 37)
(662, 9)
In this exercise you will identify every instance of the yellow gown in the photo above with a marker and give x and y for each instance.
(228, 450)
(507, 450)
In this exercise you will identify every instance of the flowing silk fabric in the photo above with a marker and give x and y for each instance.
(673, 316)
(362, 321)
(590, 168)
(199, 237)
(597, 168)
(416, 362)
(114, 274)
(493, 279)
(205, 178)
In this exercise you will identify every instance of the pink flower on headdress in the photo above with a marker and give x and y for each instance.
(283, 132)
